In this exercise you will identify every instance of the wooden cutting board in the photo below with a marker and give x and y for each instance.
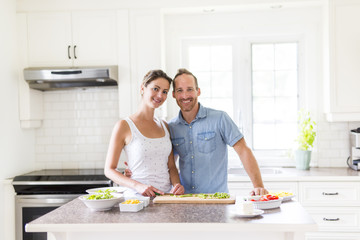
(174, 199)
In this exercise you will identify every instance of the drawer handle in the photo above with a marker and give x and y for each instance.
(331, 219)
(75, 52)
(69, 52)
(335, 193)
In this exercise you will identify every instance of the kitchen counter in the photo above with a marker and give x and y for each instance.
(176, 221)
(293, 174)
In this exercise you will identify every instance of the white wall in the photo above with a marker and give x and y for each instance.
(16, 145)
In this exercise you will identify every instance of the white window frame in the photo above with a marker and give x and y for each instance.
(242, 85)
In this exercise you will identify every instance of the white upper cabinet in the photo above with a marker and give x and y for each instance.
(342, 60)
(72, 38)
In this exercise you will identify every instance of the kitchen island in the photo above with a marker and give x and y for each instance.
(174, 221)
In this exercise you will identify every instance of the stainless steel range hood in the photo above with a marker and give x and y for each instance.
(46, 79)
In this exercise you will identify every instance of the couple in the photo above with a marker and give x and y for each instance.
(199, 136)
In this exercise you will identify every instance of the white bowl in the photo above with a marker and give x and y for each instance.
(113, 190)
(100, 204)
(131, 207)
(268, 204)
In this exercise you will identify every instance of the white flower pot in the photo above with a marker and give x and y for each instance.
(302, 159)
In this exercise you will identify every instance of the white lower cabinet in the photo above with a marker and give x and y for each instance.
(336, 218)
(334, 206)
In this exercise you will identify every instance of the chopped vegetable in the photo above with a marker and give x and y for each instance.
(131, 201)
(185, 195)
(265, 198)
(217, 195)
(100, 196)
(283, 194)
(105, 191)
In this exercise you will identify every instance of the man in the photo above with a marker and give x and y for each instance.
(200, 137)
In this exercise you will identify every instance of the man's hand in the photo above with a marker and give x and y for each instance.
(178, 189)
(258, 191)
(127, 171)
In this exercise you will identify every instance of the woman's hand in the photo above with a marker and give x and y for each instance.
(178, 189)
(147, 190)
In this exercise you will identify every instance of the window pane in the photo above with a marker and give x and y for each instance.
(263, 109)
(199, 58)
(221, 84)
(264, 135)
(212, 65)
(221, 58)
(286, 56)
(263, 83)
(263, 57)
(286, 83)
(285, 135)
(286, 109)
(222, 104)
(204, 82)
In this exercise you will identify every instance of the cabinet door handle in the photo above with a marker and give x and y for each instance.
(325, 193)
(75, 52)
(69, 52)
(331, 219)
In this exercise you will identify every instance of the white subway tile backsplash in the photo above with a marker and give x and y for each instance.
(53, 149)
(44, 140)
(61, 157)
(87, 165)
(338, 126)
(76, 128)
(70, 165)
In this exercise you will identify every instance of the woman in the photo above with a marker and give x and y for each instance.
(146, 142)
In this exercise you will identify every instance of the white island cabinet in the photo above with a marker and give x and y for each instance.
(83, 38)
(342, 58)
(174, 221)
(330, 195)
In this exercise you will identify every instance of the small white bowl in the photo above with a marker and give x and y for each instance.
(267, 204)
(100, 204)
(131, 207)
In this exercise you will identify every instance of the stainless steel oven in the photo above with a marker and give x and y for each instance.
(40, 192)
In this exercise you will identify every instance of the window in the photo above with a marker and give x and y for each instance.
(274, 95)
(267, 110)
(212, 65)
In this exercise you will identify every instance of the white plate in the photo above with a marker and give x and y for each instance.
(113, 189)
(288, 198)
(256, 212)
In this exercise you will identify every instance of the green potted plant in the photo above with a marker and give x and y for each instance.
(305, 140)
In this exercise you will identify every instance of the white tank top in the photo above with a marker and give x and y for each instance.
(148, 157)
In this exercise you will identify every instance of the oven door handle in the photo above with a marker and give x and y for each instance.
(46, 200)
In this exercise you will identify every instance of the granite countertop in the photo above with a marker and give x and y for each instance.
(75, 216)
(293, 174)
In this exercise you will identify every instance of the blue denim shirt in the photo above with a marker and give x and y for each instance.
(202, 148)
